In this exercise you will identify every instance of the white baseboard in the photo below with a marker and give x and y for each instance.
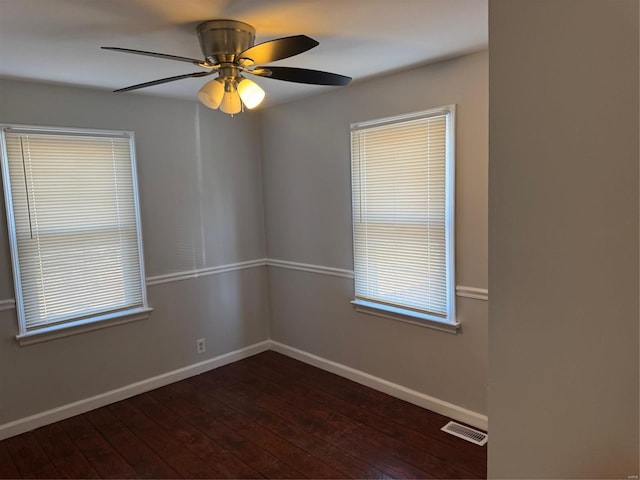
(412, 396)
(76, 408)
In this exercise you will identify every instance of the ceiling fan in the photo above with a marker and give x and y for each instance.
(229, 50)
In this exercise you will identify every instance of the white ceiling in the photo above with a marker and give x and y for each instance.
(59, 40)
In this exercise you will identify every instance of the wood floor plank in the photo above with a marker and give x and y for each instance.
(424, 457)
(221, 461)
(145, 462)
(405, 414)
(64, 455)
(337, 430)
(176, 399)
(179, 458)
(285, 451)
(29, 458)
(411, 443)
(279, 469)
(408, 415)
(268, 417)
(105, 460)
(7, 467)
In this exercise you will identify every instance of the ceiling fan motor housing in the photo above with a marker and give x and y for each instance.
(222, 40)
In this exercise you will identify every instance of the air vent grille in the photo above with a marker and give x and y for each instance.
(466, 433)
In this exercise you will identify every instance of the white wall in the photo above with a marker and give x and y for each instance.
(563, 236)
(306, 166)
(201, 206)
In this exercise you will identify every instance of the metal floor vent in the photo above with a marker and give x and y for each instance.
(466, 433)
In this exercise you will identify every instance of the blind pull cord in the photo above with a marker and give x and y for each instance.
(26, 188)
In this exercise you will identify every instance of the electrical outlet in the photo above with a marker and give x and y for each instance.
(201, 346)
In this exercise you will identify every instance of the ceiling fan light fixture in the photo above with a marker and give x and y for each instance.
(231, 102)
(250, 93)
(211, 93)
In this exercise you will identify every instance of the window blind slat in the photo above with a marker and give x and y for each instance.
(400, 214)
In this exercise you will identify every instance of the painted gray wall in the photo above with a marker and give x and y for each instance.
(201, 206)
(306, 167)
(563, 236)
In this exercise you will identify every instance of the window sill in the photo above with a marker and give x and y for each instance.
(407, 316)
(85, 325)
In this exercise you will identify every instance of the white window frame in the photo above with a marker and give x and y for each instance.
(83, 323)
(450, 323)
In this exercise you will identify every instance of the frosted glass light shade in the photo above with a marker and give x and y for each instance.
(231, 102)
(211, 93)
(250, 93)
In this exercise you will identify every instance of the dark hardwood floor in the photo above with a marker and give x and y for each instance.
(265, 416)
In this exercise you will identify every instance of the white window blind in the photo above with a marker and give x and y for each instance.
(73, 215)
(402, 186)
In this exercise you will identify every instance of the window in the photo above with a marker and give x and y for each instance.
(74, 226)
(402, 186)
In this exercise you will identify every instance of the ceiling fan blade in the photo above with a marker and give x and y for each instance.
(278, 49)
(154, 54)
(302, 75)
(164, 80)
